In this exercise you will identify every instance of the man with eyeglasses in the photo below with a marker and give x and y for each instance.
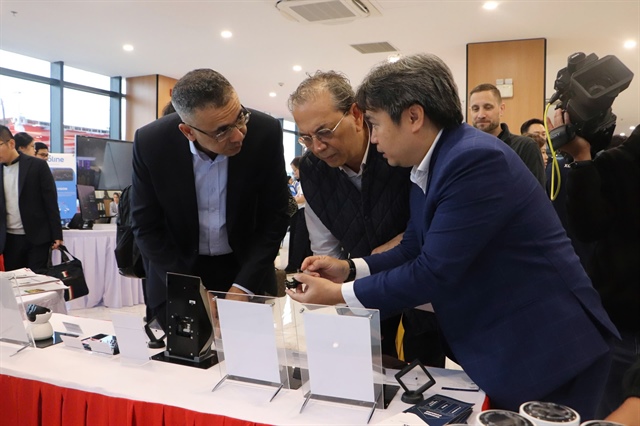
(209, 192)
(29, 214)
(356, 203)
(483, 245)
(42, 151)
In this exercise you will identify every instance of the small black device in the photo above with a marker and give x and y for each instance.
(291, 283)
(586, 89)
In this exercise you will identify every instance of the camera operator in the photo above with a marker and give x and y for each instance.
(604, 208)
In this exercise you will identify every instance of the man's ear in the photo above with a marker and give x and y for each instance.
(502, 108)
(416, 116)
(358, 115)
(187, 131)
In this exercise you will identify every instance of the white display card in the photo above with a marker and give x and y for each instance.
(339, 355)
(249, 340)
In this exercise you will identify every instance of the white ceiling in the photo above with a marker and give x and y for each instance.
(174, 37)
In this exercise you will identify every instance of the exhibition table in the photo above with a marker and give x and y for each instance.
(94, 247)
(62, 385)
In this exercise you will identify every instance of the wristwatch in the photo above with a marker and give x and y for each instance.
(352, 270)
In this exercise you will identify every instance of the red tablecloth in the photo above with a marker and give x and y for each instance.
(29, 402)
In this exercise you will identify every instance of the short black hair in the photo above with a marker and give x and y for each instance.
(296, 162)
(525, 126)
(22, 139)
(5, 133)
(41, 145)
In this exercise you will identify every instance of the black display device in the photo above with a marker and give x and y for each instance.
(106, 164)
(189, 324)
(414, 396)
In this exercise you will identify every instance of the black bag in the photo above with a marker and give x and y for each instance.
(128, 257)
(69, 272)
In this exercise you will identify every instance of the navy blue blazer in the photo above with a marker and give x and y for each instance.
(164, 208)
(486, 248)
(37, 200)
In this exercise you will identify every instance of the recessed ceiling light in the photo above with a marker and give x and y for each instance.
(393, 58)
(297, 68)
(632, 128)
(226, 34)
(272, 94)
(127, 48)
(490, 5)
(630, 44)
(622, 134)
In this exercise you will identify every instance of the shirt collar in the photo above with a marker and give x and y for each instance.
(13, 162)
(201, 155)
(350, 172)
(420, 173)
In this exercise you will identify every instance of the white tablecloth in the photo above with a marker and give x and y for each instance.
(190, 388)
(94, 247)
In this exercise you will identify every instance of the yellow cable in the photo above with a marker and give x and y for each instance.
(555, 167)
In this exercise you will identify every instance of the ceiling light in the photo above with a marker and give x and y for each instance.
(272, 94)
(630, 44)
(622, 134)
(393, 58)
(127, 48)
(490, 5)
(297, 68)
(632, 128)
(226, 34)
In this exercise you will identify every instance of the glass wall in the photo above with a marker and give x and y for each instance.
(25, 107)
(54, 103)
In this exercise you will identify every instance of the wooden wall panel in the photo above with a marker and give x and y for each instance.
(165, 86)
(524, 61)
(146, 96)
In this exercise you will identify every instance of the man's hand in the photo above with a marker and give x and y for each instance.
(236, 294)
(56, 244)
(327, 267)
(389, 244)
(578, 148)
(316, 290)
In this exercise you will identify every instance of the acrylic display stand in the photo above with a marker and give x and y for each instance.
(12, 327)
(343, 347)
(250, 341)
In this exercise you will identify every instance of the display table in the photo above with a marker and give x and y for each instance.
(60, 385)
(94, 247)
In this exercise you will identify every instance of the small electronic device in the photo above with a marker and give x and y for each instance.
(291, 283)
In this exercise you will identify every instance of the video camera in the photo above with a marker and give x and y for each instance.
(586, 89)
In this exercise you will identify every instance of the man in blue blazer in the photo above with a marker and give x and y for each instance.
(209, 192)
(29, 214)
(483, 245)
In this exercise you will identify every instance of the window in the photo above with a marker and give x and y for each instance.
(25, 107)
(85, 114)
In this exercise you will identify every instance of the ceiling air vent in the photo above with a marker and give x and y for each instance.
(379, 47)
(326, 11)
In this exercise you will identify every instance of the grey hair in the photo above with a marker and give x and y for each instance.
(422, 79)
(336, 83)
(199, 89)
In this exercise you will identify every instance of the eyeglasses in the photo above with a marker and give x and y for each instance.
(225, 133)
(322, 135)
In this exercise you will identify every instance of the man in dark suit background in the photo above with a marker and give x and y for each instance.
(209, 192)
(483, 245)
(29, 215)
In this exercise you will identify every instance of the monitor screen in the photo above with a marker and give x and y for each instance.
(87, 200)
(105, 164)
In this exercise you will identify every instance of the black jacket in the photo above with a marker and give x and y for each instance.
(38, 202)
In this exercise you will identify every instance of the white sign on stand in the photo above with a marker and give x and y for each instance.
(343, 355)
(249, 340)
